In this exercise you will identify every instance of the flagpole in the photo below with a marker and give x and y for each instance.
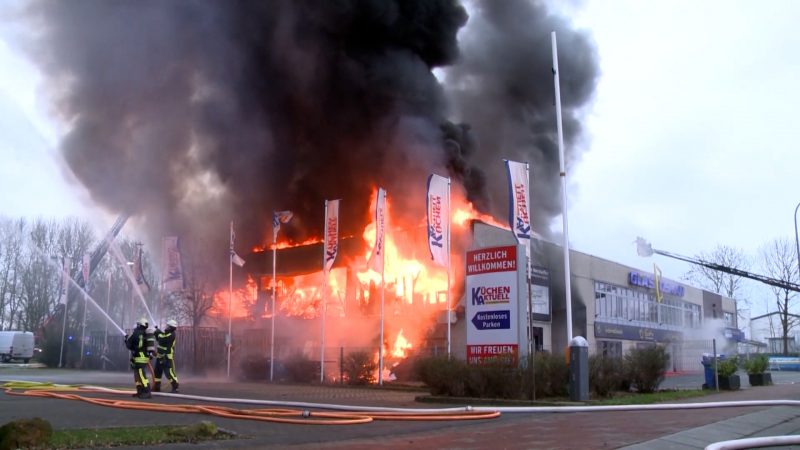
(531, 345)
(230, 298)
(66, 303)
(108, 306)
(83, 326)
(383, 284)
(563, 175)
(380, 348)
(274, 288)
(449, 305)
(324, 298)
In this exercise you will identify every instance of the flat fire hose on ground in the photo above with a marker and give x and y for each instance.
(279, 415)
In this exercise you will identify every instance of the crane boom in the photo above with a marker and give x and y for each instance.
(645, 249)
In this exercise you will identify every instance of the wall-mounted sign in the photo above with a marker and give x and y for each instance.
(540, 293)
(634, 333)
(492, 305)
(648, 281)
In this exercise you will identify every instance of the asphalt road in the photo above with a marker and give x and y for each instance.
(556, 431)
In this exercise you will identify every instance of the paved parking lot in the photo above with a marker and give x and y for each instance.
(513, 431)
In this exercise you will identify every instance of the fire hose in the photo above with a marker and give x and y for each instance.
(390, 413)
(279, 415)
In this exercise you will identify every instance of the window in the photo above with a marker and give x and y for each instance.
(729, 320)
(612, 349)
(629, 305)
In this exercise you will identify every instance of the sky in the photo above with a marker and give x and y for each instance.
(689, 141)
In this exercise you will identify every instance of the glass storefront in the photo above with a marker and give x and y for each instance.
(623, 304)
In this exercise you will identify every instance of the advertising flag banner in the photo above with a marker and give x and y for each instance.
(438, 205)
(236, 259)
(377, 258)
(279, 217)
(172, 269)
(331, 244)
(87, 261)
(491, 306)
(518, 214)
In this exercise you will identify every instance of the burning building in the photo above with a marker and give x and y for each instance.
(226, 111)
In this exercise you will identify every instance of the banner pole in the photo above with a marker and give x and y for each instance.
(108, 306)
(383, 282)
(449, 303)
(64, 323)
(274, 288)
(563, 175)
(324, 298)
(380, 347)
(230, 298)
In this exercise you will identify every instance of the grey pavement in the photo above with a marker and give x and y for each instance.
(776, 421)
(640, 429)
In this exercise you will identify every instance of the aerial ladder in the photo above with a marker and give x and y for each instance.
(643, 248)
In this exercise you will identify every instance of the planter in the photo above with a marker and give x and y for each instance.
(731, 383)
(760, 379)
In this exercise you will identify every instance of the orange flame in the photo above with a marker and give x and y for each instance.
(238, 299)
(415, 289)
(462, 214)
(286, 244)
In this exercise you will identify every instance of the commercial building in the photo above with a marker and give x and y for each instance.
(615, 307)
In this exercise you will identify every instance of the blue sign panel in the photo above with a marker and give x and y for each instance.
(647, 280)
(632, 333)
(492, 320)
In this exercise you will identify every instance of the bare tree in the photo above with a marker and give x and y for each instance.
(11, 247)
(720, 282)
(195, 302)
(39, 279)
(780, 262)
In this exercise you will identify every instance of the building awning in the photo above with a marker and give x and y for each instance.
(303, 259)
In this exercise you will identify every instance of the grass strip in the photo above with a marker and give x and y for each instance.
(150, 435)
(625, 398)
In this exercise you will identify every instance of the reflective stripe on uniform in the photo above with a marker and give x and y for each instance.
(141, 358)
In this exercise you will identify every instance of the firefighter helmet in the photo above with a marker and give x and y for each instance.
(172, 323)
(142, 322)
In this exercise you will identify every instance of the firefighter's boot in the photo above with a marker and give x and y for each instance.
(174, 387)
(145, 393)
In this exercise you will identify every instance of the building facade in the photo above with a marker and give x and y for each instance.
(615, 307)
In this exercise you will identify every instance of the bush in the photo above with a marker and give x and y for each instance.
(756, 364)
(551, 376)
(25, 433)
(255, 368)
(605, 375)
(647, 367)
(359, 368)
(300, 369)
(493, 381)
(445, 376)
(727, 367)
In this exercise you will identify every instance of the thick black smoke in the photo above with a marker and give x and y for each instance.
(191, 113)
(503, 87)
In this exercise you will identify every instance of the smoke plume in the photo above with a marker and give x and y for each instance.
(503, 87)
(188, 114)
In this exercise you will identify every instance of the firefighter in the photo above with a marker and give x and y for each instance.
(165, 364)
(137, 344)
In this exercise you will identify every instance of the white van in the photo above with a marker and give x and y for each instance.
(16, 345)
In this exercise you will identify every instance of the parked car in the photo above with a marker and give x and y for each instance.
(16, 345)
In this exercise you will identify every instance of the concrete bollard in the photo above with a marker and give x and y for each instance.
(578, 369)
